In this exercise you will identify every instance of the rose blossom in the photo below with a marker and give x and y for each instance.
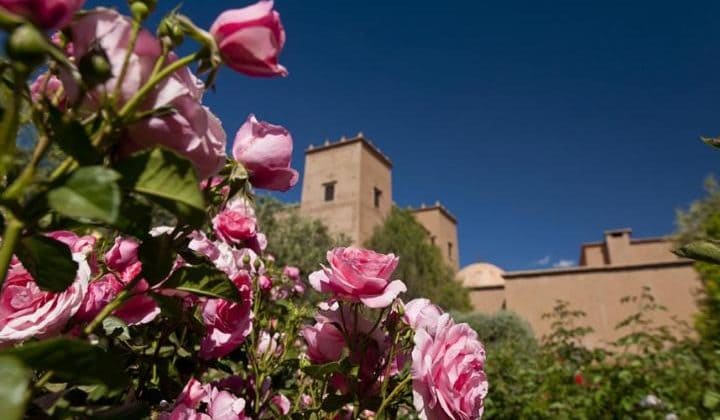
(47, 14)
(227, 323)
(266, 151)
(281, 403)
(359, 275)
(236, 222)
(100, 293)
(448, 374)
(250, 39)
(26, 311)
(422, 314)
(190, 130)
(219, 404)
(48, 86)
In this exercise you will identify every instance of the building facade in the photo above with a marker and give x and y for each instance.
(617, 267)
(347, 185)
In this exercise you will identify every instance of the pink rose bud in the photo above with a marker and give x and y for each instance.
(266, 151)
(47, 14)
(362, 275)
(281, 403)
(265, 282)
(250, 39)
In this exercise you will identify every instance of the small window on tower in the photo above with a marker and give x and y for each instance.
(450, 250)
(432, 239)
(376, 197)
(329, 191)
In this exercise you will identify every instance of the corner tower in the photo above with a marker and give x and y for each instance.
(441, 226)
(348, 186)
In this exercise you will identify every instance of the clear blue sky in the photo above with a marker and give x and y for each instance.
(539, 124)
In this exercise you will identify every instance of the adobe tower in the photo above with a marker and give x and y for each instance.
(348, 186)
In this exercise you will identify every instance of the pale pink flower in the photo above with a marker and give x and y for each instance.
(190, 130)
(219, 404)
(291, 272)
(250, 39)
(47, 14)
(449, 380)
(268, 344)
(27, 312)
(100, 292)
(422, 314)
(359, 275)
(48, 86)
(282, 403)
(266, 152)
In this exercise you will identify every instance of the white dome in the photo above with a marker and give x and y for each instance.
(481, 275)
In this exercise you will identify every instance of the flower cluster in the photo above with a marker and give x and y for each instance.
(136, 277)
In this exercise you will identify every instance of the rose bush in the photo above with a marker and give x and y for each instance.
(136, 281)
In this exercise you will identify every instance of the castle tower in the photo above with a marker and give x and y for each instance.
(348, 186)
(442, 230)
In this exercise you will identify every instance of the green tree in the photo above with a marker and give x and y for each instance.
(294, 239)
(421, 267)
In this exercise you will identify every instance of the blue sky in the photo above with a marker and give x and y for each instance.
(539, 124)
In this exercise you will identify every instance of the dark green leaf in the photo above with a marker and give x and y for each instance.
(157, 256)
(701, 250)
(170, 307)
(14, 381)
(72, 138)
(73, 360)
(10, 103)
(203, 280)
(49, 261)
(89, 193)
(334, 402)
(135, 217)
(167, 179)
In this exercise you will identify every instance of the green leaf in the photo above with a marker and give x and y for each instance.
(203, 280)
(171, 307)
(711, 399)
(135, 217)
(701, 250)
(157, 256)
(167, 179)
(73, 361)
(49, 261)
(14, 381)
(116, 327)
(334, 402)
(72, 138)
(88, 193)
(10, 108)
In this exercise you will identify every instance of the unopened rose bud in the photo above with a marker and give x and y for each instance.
(139, 9)
(27, 45)
(95, 67)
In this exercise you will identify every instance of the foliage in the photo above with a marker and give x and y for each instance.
(503, 328)
(421, 264)
(293, 239)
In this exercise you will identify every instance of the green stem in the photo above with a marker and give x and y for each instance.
(140, 96)
(392, 395)
(10, 237)
(44, 379)
(16, 189)
(131, 48)
(10, 123)
(110, 307)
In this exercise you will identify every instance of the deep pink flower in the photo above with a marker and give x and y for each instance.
(266, 151)
(359, 275)
(190, 130)
(236, 223)
(250, 39)
(422, 314)
(291, 272)
(325, 342)
(449, 380)
(48, 86)
(47, 14)
(227, 323)
(100, 293)
(27, 312)
(219, 404)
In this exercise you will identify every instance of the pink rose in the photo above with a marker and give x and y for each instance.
(325, 342)
(449, 380)
(227, 323)
(250, 39)
(100, 293)
(190, 130)
(291, 272)
(236, 223)
(27, 312)
(138, 310)
(47, 14)
(359, 275)
(268, 344)
(266, 151)
(48, 86)
(281, 403)
(422, 314)
(220, 405)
